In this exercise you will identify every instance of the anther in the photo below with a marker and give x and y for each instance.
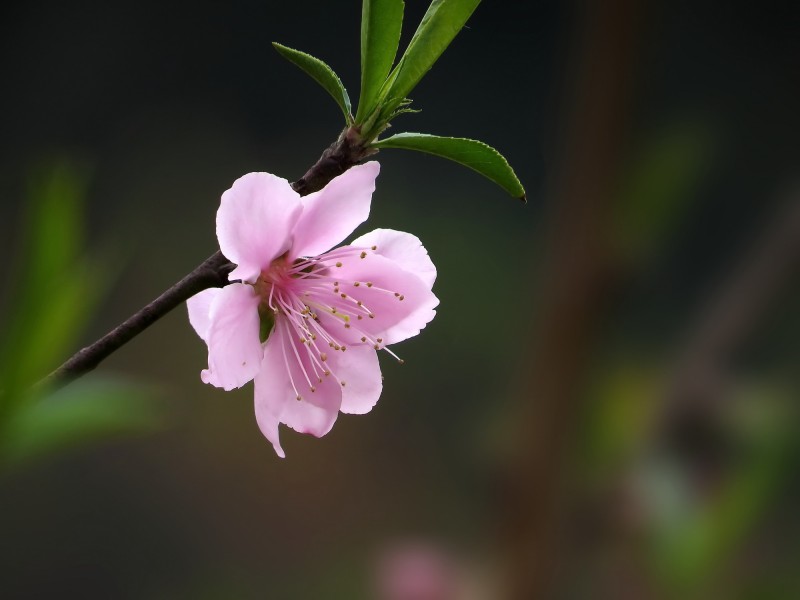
(356, 284)
(363, 339)
(360, 317)
(338, 264)
(369, 284)
(402, 298)
(374, 247)
(344, 295)
(363, 255)
(347, 325)
(313, 389)
(379, 340)
(323, 357)
(377, 347)
(343, 383)
(299, 397)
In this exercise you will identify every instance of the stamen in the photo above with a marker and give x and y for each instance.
(397, 358)
(289, 371)
(301, 365)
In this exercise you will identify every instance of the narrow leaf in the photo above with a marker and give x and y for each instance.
(443, 20)
(83, 413)
(471, 153)
(55, 290)
(322, 74)
(381, 22)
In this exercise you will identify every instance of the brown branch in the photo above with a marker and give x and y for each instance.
(345, 152)
(578, 269)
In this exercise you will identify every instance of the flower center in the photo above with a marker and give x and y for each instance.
(293, 296)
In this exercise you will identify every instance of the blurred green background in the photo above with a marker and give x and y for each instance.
(605, 405)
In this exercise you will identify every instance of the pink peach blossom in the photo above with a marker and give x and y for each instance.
(303, 321)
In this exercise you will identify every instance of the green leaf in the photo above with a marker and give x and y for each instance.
(443, 20)
(471, 153)
(659, 188)
(381, 22)
(55, 290)
(84, 412)
(322, 74)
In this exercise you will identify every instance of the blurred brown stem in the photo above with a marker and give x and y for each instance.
(344, 153)
(578, 272)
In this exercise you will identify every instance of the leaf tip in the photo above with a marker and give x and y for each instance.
(524, 198)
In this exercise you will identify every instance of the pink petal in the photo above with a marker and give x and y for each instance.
(332, 214)
(394, 319)
(282, 378)
(404, 249)
(234, 348)
(199, 307)
(255, 221)
(358, 367)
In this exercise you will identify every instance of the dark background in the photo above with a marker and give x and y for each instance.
(561, 321)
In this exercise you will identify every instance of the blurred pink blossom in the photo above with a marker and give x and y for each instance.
(303, 321)
(418, 571)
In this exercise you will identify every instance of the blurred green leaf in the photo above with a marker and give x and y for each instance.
(471, 153)
(381, 23)
(84, 412)
(618, 422)
(658, 189)
(691, 549)
(322, 74)
(55, 289)
(442, 21)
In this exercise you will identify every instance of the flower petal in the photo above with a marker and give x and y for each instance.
(332, 213)
(403, 248)
(255, 222)
(358, 367)
(199, 307)
(282, 379)
(234, 348)
(381, 285)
